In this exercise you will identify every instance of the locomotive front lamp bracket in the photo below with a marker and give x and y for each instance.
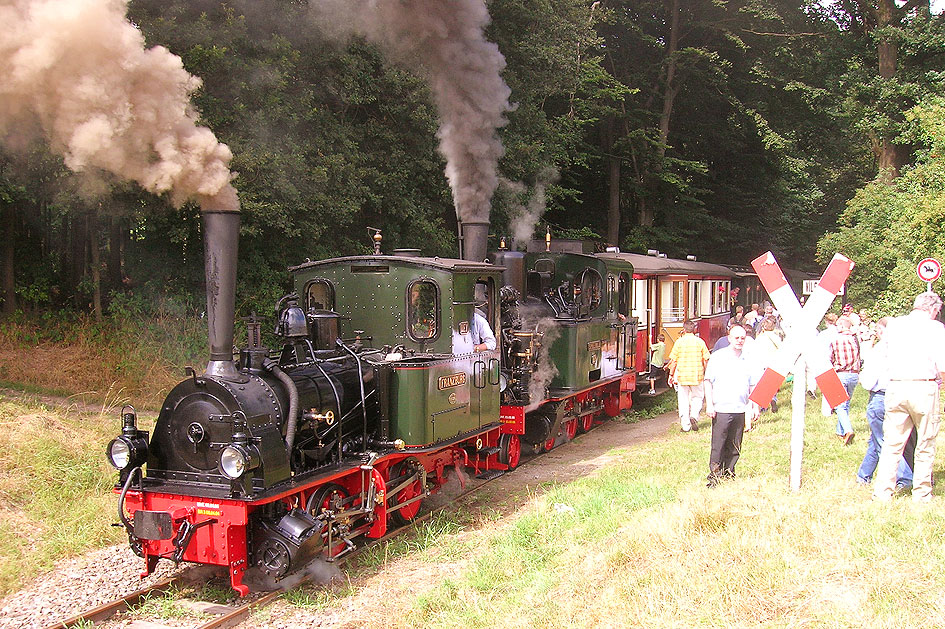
(131, 448)
(240, 456)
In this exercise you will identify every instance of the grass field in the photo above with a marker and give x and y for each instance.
(641, 543)
(645, 543)
(55, 485)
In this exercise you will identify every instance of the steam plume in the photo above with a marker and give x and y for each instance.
(80, 70)
(525, 217)
(545, 369)
(445, 39)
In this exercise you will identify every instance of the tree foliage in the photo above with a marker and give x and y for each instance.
(720, 129)
(887, 228)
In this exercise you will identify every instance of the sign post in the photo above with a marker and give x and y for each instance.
(928, 271)
(800, 350)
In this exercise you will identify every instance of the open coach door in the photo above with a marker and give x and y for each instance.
(486, 364)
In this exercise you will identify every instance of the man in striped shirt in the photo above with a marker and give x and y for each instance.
(687, 363)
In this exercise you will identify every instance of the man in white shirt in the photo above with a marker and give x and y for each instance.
(916, 369)
(482, 336)
(729, 378)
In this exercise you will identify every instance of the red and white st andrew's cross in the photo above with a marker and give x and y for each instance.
(801, 327)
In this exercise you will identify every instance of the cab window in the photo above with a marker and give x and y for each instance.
(483, 298)
(320, 295)
(590, 292)
(623, 291)
(611, 293)
(423, 307)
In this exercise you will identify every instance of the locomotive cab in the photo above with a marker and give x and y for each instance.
(567, 340)
(419, 313)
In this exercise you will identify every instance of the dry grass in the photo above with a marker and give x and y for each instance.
(55, 486)
(89, 369)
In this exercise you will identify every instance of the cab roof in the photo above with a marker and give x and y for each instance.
(442, 264)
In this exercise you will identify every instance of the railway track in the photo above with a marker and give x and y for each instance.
(228, 616)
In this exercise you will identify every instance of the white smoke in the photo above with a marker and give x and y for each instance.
(526, 216)
(79, 71)
(545, 369)
(445, 39)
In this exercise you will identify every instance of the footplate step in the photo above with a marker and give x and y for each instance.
(490, 474)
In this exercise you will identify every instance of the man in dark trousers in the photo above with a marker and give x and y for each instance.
(729, 378)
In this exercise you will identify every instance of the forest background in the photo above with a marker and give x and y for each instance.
(714, 128)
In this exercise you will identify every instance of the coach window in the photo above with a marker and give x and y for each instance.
(677, 311)
(423, 307)
(694, 298)
(320, 295)
(721, 296)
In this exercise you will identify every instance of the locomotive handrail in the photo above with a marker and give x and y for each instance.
(338, 402)
(357, 359)
(133, 540)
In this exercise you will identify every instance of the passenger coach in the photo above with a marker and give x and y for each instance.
(667, 291)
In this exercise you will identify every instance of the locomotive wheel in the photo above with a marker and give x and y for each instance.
(571, 428)
(548, 444)
(510, 450)
(586, 422)
(414, 489)
(330, 497)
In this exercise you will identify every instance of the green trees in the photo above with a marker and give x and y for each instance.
(888, 227)
(691, 126)
(892, 88)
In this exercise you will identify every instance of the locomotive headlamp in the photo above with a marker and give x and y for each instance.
(119, 453)
(241, 455)
(236, 460)
(131, 448)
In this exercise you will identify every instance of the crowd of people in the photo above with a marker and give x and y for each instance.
(900, 361)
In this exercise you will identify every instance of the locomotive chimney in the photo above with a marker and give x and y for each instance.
(475, 235)
(221, 234)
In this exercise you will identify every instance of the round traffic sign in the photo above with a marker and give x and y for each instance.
(928, 270)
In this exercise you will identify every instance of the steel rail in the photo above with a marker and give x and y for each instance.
(106, 610)
(237, 615)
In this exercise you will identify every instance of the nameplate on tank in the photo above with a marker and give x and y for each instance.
(370, 268)
(593, 346)
(452, 380)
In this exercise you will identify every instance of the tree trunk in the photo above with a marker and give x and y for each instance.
(889, 156)
(608, 138)
(115, 245)
(77, 254)
(646, 215)
(613, 201)
(96, 264)
(9, 284)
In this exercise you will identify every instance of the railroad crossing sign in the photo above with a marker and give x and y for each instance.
(800, 342)
(928, 271)
(802, 328)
